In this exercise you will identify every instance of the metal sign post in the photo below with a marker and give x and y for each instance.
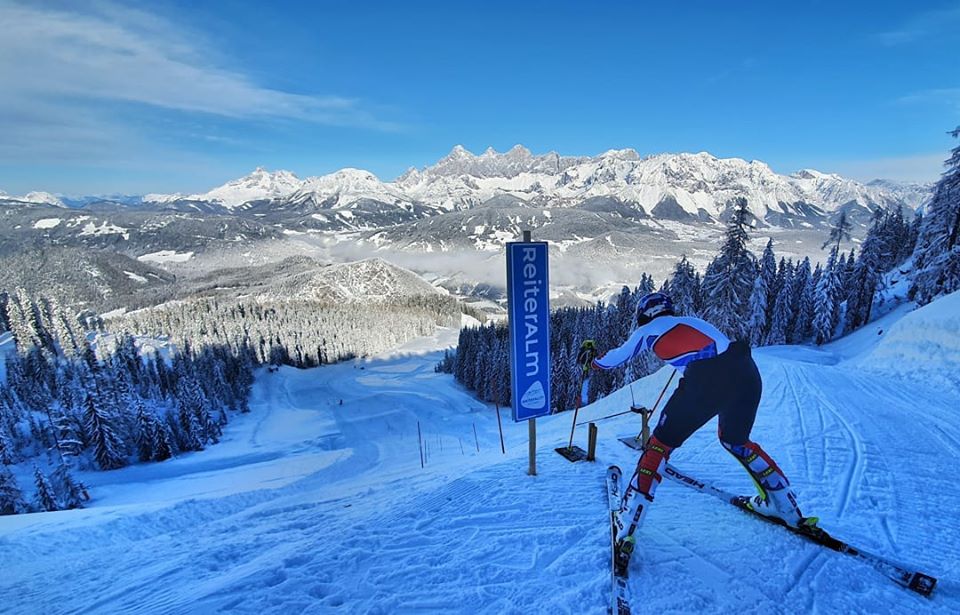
(528, 311)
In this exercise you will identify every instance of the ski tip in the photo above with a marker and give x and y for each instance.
(923, 584)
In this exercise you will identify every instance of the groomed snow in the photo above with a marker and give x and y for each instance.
(316, 502)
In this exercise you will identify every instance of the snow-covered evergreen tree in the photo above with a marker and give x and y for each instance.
(866, 275)
(937, 253)
(11, 498)
(146, 433)
(684, 288)
(729, 279)
(782, 310)
(69, 491)
(46, 498)
(826, 308)
(839, 232)
(768, 271)
(107, 447)
(6, 449)
(757, 324)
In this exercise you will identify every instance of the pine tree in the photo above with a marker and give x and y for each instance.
(826, 310)
(107, 447)
(684, 288)
(11, 498)
(45, 498)
(802, 297)
(782, 309)
(729, 278)
(757, 325)
(191, 433)
(768, 271)
(865, 278)
(72, 493)
(162, 445)
(6, 450)
(146, 433)
(937, 253)
(839, 232)
(68, 434)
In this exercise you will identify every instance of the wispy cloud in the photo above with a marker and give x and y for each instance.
(61, 69)
(923, 26)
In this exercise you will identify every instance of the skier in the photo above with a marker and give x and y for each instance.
(718, 377)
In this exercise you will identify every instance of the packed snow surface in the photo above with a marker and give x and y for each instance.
(316, 501)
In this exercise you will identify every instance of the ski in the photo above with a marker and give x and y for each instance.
(619, 596)
(900, 574)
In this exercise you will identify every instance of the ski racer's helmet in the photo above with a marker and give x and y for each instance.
(652, 305)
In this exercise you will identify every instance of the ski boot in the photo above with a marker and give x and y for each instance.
(624, 551)
(781, 506)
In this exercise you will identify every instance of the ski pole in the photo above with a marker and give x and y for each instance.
(674, 373)
(576, 409)
(635, 409)
(645, 414)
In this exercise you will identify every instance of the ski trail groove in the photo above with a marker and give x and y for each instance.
(804, 437)
(855, 472)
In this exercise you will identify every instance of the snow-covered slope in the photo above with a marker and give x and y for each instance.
(368, 280)
(317, 502)
(924, 346)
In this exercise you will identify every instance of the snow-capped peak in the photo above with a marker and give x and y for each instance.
(817, 175)
(258, 185)
(626, 153)
(347, 186)
(459, 152)
(42, 197)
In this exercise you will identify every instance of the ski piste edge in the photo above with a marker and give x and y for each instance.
(619, 592)
(900, 574)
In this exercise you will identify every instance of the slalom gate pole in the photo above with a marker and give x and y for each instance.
(503, 449)
(420, 442)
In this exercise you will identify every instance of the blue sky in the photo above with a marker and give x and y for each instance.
(183, 96)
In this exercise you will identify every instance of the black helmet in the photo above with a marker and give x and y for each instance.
(652, 305)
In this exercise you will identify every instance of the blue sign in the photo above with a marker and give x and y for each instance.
(528, 309)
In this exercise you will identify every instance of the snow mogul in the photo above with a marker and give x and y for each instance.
(718, 378)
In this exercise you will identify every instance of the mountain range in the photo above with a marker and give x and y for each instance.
(673, 186)
(617, 213)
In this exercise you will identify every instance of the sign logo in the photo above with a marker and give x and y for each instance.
(535, 398)
(528, 307)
